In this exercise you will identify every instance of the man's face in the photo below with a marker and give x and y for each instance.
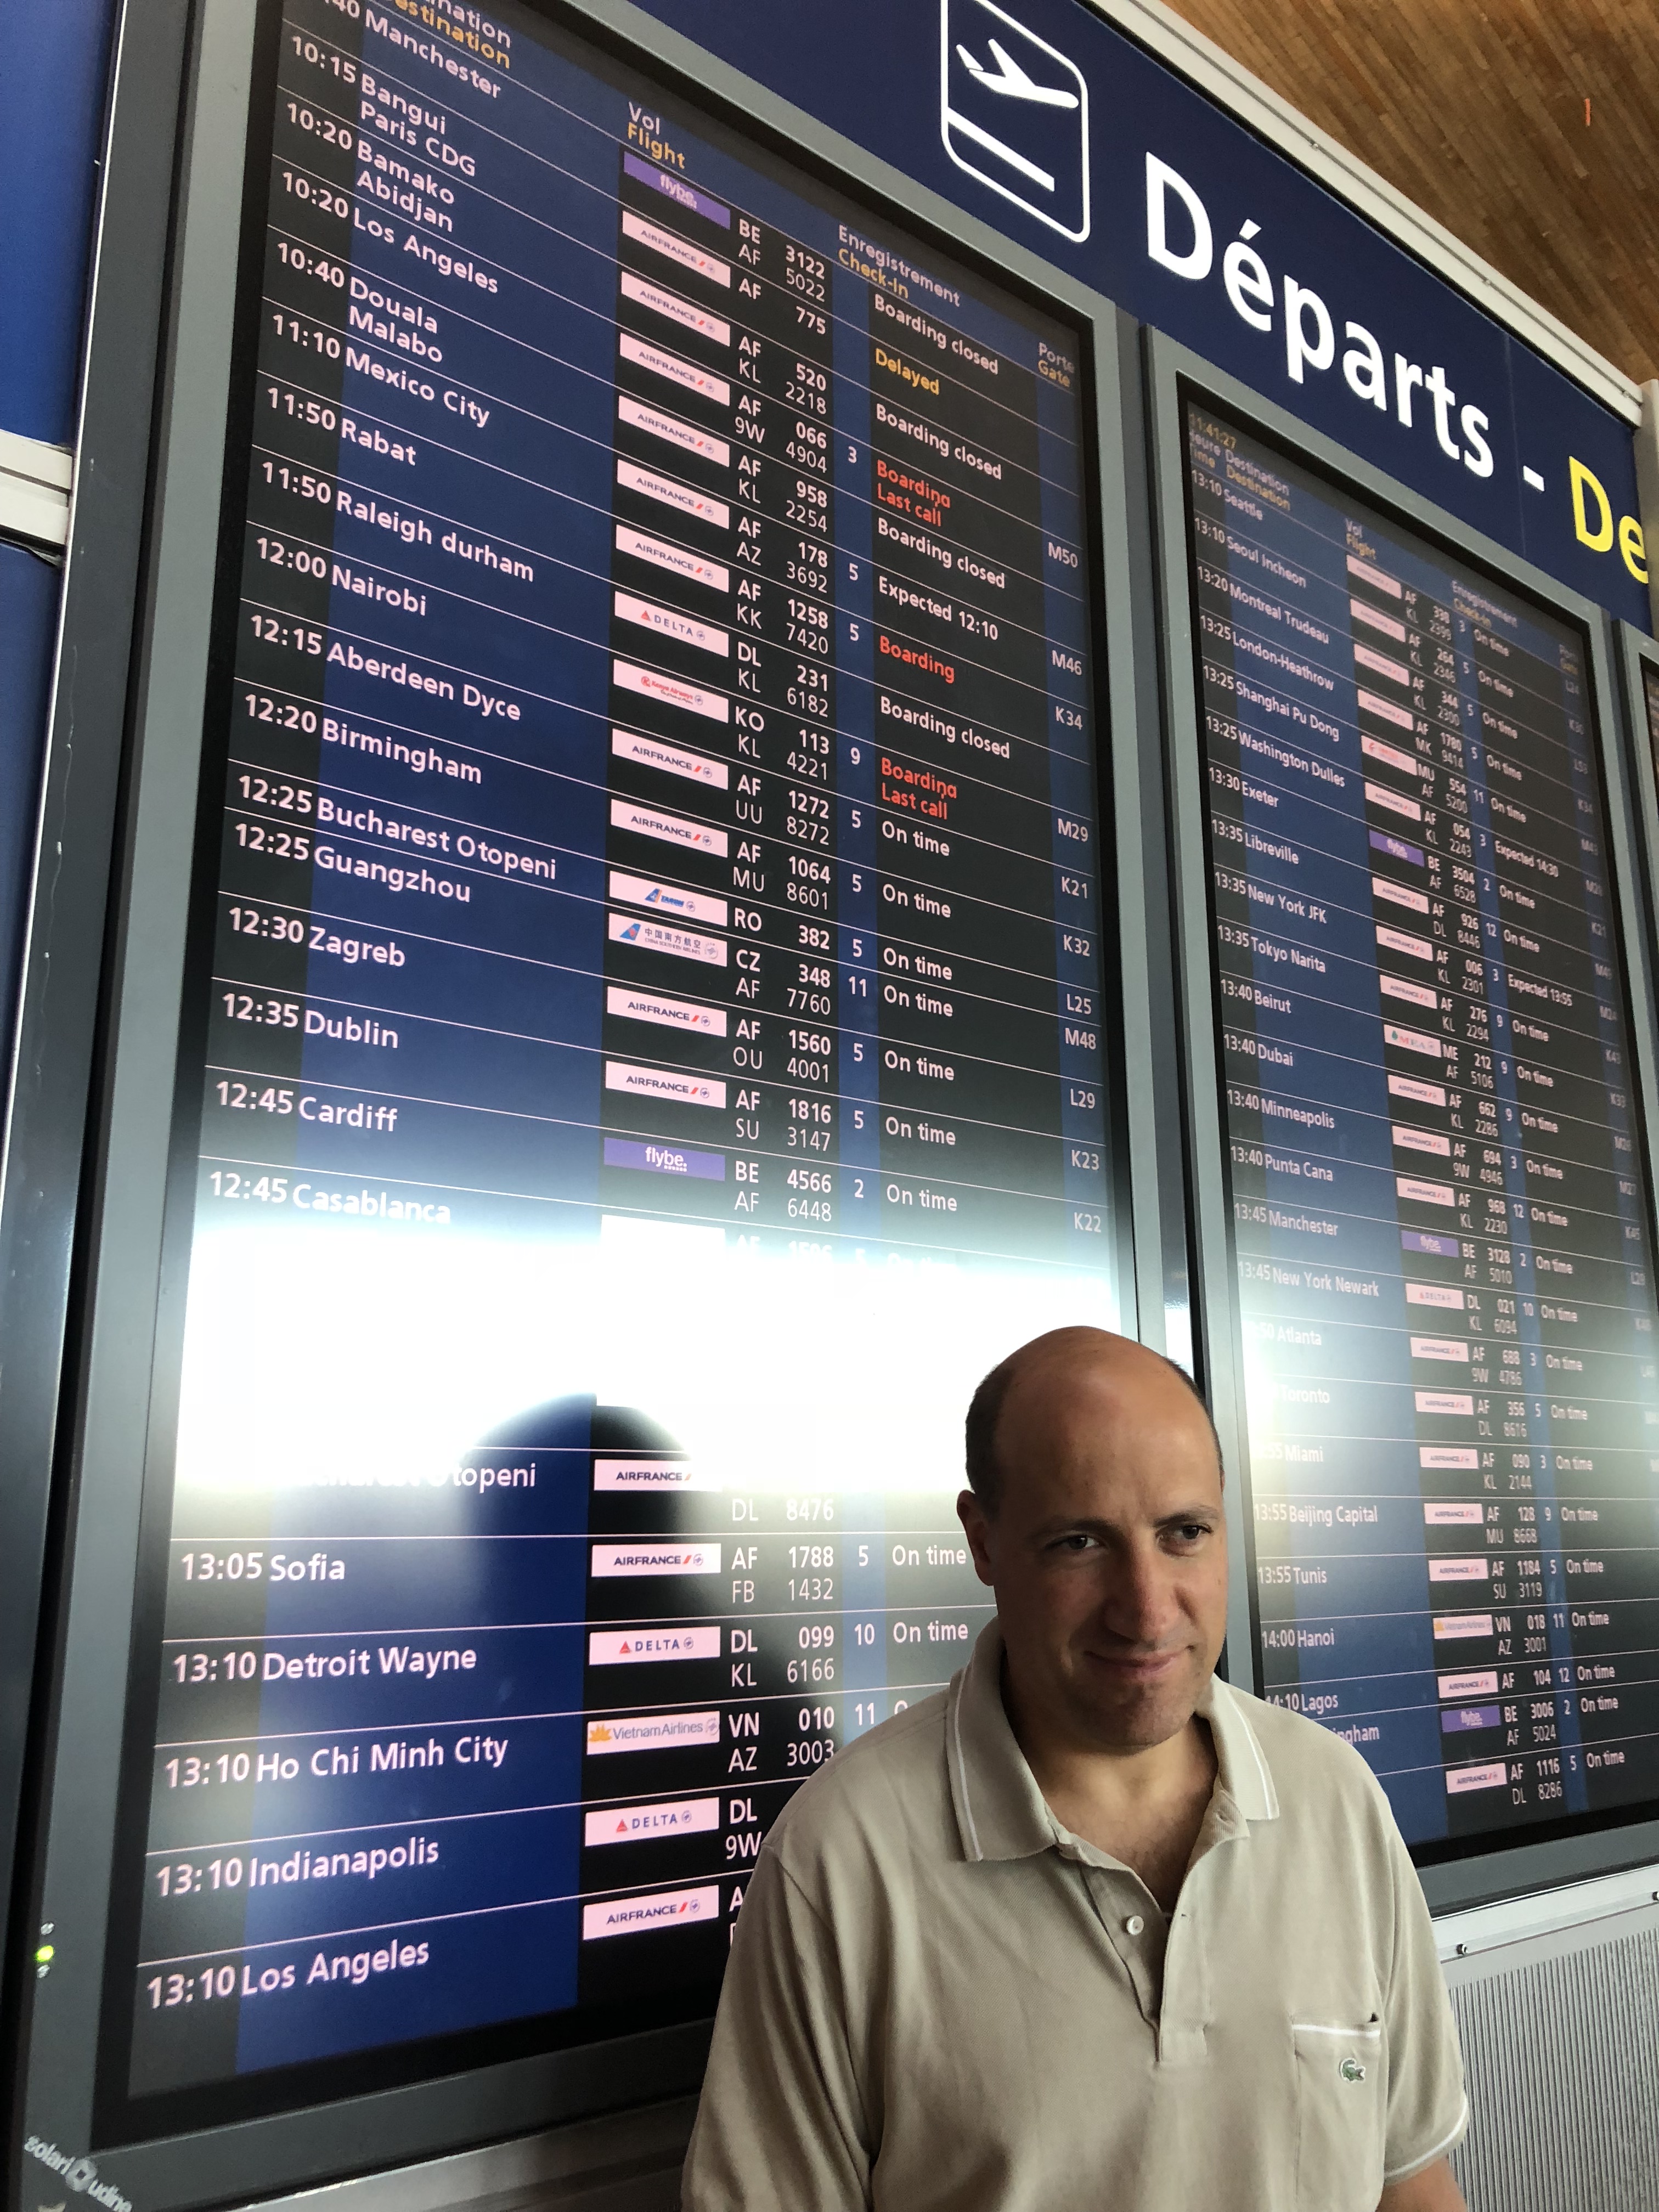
(1107, 1551)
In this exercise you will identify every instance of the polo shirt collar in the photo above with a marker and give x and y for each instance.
(1000, 1812)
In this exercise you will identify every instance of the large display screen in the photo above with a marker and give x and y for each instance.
(651, 1053)
(1439, 1221)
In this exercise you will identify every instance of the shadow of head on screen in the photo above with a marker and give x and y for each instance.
(597, 1451)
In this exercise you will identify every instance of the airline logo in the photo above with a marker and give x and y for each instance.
(674, 760)
(664, 1014)
(687, 436)
(647, 1474)
(686, 373)
(651, 1647)
(664, 1159)
(1400, 940)
(684, 499)
(646, 1824)
(1395, 802)
(1412, 1041)
(671, 691)
(1014, 113)
(1422, 1141)
(1459, 1780)
(665, 1732)
(1468, 1686)
(659, 937)
(675, 248)
(668, 622)
(688, 315)
(611, 1559)
(669, 493)
(1414, 995)
(674, 558)
(667, 829)
(635, 1916)
(667, 898)
(1386, 710)
(678, 1084)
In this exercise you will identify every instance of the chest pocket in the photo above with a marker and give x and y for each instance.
(1341, 2106)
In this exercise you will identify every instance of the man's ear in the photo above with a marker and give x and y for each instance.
(976, 1527)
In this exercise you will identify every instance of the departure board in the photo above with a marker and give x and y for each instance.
(653, 1050)
(1438, 1217)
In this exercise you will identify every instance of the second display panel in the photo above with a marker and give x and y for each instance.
(1439, 1223)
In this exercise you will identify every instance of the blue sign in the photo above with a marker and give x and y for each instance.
(1046, 122)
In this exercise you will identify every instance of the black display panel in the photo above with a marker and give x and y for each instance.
(650, 1055)
(1439, 1223)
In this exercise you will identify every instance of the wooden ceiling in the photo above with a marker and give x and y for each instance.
(1479, 114)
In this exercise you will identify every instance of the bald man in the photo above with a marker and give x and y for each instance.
(1090, 1931)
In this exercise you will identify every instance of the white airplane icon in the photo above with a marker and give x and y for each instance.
(1012, 81)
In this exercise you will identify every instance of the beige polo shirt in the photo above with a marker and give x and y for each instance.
(939, 2000)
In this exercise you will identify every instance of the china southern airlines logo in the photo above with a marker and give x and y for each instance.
(1014, 112)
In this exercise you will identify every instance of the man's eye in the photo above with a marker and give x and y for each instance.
(1191, 1531)
(1077, 1541)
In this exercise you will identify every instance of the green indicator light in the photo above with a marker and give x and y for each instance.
(44, 1955)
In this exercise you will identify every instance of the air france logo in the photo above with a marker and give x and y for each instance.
(1014, 113)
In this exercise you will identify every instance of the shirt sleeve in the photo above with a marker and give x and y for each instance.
(781, 2121)
(1428, 2110)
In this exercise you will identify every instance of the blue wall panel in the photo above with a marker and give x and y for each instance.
(54, 62)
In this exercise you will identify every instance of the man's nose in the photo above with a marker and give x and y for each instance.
(1141, 1604)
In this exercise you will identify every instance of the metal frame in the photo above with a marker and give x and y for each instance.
(1172, 370)
(52, 1055)
(1638, 655)
(126, 1281)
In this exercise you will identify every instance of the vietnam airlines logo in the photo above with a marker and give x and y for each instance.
(1014, 113)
